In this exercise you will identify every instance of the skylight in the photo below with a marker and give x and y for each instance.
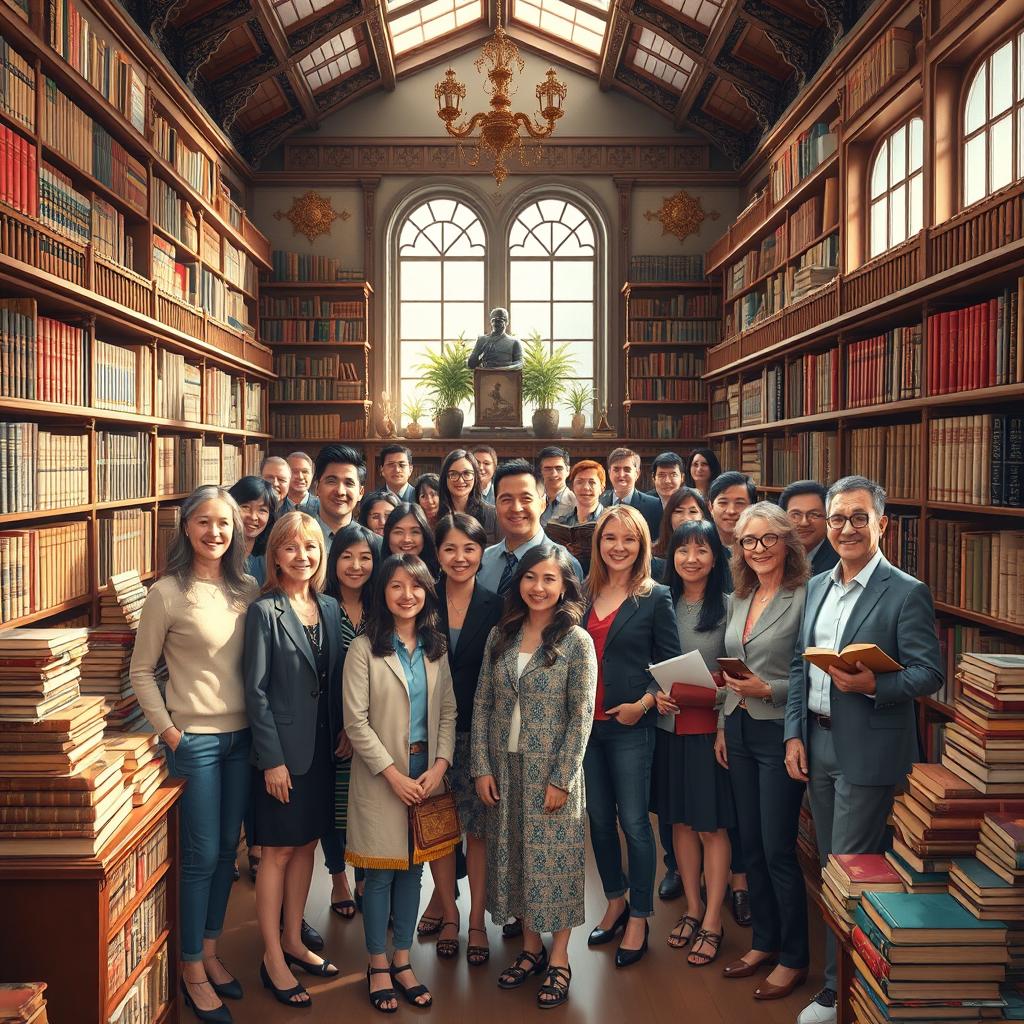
(564, 21)
(430, 22)
(333, 60)
(657, 57)
(291, 12)
(701, 12)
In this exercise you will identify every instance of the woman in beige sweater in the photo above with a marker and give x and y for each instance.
(194, 618)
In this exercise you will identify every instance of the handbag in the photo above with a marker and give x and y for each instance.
(436, 829)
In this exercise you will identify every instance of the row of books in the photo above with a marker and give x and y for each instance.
(42, 469)
(667, 364)
(124, 378)
(19, 184)
(752, 459)
(174, 214)
(311, 307)
(800, 158)
(191, 163)
(684, 305)
(667, 426)
(331, 367)
(294, 266)
(42, 568)
(666, 268)
(179, 278)
(185, 463)
(808, 456)
(123, 465)
(320, 427)
(756, 305)
(889, 454)
(813, 217)
(17, 86)
(818, 266)
(144, 1001)
(900, 544)
(222, 398)
(304, 332)
(254, 407)
(812, 384)
(881, 64)
(962, 462)
(957, 638)
(239, 269)
(178, 388)
(658, 389)
(42, 359)
(128, 947)
(125, 542)
(222, 302)
(769, 255)
(695, 332)
(885, 368)
(304, 390)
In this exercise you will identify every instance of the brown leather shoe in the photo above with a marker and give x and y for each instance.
(742, 969)
(766, 990)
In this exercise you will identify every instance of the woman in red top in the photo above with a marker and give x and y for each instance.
(691, 790)
(631, 622)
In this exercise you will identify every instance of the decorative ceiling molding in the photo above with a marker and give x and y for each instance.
(312, 215)
(312, 35)
(662, 99)
(681, 215)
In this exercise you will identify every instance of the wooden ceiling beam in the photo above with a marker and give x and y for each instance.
(380, 40)
(282, 52)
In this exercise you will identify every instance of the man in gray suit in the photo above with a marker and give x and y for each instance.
(852, 735)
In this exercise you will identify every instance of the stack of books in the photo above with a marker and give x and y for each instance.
(924, 957)
(40, 671)
(144, 768)
(1001, 849)
(22, 1002)
(984, 893)
(847, 876)
(105, 673)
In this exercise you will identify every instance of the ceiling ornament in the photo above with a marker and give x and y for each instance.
(499, 127)
(681, 215)
(312, 215)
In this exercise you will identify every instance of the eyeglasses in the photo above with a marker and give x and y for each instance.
(799, 517)
(455, 475)
(858, 521)
(396, 465)
(769, 540)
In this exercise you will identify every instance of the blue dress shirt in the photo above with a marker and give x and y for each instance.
(416, 676)
(492, 565)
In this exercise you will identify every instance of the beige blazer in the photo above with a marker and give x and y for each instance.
(375, 694)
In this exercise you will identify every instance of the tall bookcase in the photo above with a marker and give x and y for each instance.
(128, 290)
(669, 326)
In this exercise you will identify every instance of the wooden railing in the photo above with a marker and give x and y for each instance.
(891, 272)
(746, 222)
(62, 258)
(179, 315)
(980, 229)
(122, 286)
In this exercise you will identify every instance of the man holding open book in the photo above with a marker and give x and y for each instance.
(866, 648)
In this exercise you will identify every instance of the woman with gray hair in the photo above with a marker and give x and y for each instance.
(194, 618)
(770, 573)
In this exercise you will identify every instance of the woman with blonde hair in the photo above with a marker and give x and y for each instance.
(770, 573)
(292, 659)
(631, 621)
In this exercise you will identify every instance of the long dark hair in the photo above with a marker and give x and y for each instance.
(676, 499)
(568, 613)
(429, 552)
(474, 503)
(462, 522)
(380, 624)
(712, 461)
(371, 499)
(255, 488)
(345, 538)
(705, 534)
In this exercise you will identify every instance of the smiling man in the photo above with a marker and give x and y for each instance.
(729, 495)
(340, 477)
(487, 460)
(552, 468)
(277, 473)
(804, 504)
(395, 464)
(668, 476)
(299, 495)
(623, 474)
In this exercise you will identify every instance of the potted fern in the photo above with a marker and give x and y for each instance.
(448, 381)
(578, 398)
(544, 375)
(414, 408)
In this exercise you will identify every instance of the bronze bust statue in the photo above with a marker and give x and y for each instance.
(497, 350)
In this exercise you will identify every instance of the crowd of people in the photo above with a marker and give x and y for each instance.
(335, 658)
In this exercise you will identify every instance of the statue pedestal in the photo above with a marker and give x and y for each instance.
(498, 396)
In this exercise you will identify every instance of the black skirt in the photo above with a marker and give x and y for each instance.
(688, 786)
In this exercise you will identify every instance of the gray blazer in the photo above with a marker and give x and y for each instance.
(768, 652)
(281, 683)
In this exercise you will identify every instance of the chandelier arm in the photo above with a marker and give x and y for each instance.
(534, 130)
(470, 126)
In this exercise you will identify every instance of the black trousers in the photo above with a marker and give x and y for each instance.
(768, 814)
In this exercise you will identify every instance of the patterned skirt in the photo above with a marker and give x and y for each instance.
(472, 813)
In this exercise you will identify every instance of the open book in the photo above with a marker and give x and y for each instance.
(869, 655)
(577, 540)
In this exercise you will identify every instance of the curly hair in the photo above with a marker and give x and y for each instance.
(795, 570)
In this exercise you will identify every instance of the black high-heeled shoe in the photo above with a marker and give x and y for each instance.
(324, 969)
(602, 936)
(227, 989)
(628, 957)
(218, 1015)
(284, 995)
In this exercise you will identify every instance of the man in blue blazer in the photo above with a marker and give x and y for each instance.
(623, 473)
(852, 734)
(804, 502)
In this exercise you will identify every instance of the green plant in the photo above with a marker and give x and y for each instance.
(579, 398)
(414, 408)
(446, 376)
(544, 372)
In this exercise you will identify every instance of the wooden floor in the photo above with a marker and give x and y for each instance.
(662, 988)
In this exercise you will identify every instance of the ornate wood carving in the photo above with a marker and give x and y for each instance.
(223, 16)
(347, 87)
(681, 215)
(760, 105)
(234, 103)
(613, 47)
(663, 98)
(159, 14)
(312, 215)
(690, 38)
(836, 14)
(258, 144)
(196, 54)
(330, 24)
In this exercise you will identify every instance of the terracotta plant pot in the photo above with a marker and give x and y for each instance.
(579, 424)
(450, 423)
(414, 431)
(545, 423)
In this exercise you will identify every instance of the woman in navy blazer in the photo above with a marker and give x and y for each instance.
(632, 623)
(291, 662)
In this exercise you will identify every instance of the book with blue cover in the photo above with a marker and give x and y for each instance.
(929, 919)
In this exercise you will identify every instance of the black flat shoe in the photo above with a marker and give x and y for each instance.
(381, 996)
(413, 993)
(228, 989)
(627, 957)
(741, 908)
(324, 969)
(219, 1015)
(512, 929)
(602, 936)
(671, 887)
(284, 995)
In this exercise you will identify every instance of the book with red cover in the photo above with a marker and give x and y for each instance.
(866, 870)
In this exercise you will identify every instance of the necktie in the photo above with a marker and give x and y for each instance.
(507, 573)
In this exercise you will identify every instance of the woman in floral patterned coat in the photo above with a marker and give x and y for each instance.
(532, 715)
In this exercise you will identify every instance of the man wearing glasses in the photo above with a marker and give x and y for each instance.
(396, 468)
(552, 468)
(851, 735)
(804, 503)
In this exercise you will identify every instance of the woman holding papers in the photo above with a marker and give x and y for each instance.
(632, 624)
(770, 571)
(691, 790)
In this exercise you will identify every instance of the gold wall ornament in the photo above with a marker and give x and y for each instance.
(500, 127)
(312, 215)
(681, 215)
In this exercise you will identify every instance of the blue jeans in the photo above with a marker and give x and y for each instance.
(217, 768)
(393, 893)
(617, 771)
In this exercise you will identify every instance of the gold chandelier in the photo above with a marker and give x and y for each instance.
(499, 127)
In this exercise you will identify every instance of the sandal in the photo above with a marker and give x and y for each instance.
(324, 969)
(448, 948)
(477, 956)
(514, 976)
(556, 983)
(285, 995)
(414, 992)
(254, 866)
(712, 939)
(429, 925)
(344, 908)
(676, 938)
(512, 929)
(383, 995)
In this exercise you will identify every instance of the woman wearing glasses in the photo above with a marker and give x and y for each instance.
(460, 491)
(769, 572)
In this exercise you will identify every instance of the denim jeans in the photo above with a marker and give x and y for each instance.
(393, 893)
(617, 771)
(217, 768)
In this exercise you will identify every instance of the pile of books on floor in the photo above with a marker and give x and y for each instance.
(922, 956)
(144, 768)
(23, 1002)
(61, 792)
(847, 876)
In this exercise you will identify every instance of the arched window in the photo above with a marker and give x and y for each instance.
(552, 282)
(441, 252)
(994, 122)
(897, 180)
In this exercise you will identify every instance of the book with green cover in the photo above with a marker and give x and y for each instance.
(904, 954)
(929, 918)
(979, 876)
(914, 876)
